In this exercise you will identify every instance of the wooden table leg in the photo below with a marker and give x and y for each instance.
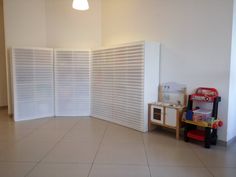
(177, 125)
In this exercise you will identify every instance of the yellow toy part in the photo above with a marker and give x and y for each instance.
(214, 124)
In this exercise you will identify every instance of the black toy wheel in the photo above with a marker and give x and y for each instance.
(186, 139)
(208, 137)
(214, 137)
(214, 140)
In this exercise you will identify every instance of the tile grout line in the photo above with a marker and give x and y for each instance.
(33, 130)
(204, 165)
(145, 150)
(22, 139)
(99, 146)
(53, 147)
(28, 134)
(36, 163)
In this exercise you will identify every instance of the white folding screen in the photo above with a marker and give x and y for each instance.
(124, 79)
(72, 82)
(33, 91)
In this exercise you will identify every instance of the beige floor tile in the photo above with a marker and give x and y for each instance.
(4, 117)
(83, 135)
(223, 172)
(216, 156)
(15, 169)
(72, 152)
(119, 134)
(89, 130)
(4, 125)
(14, 134)
(31, 124)
(4, 146)
(45, 135)
(28, 151)
(163, 139)
(121, 153)
(93, 128)
(179, 172)
(91, 123)
(100, 121)
(232, 147)
(60, 124)
(60, 170)
(172, 156)
(22, 126)
(119, 171)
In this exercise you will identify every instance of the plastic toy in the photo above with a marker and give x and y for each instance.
(202, 117)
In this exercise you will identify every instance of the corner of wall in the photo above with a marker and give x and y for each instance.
(231, 131)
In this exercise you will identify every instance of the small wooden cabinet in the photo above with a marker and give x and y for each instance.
(165, 115)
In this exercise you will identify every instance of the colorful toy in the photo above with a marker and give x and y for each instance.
(201, 117)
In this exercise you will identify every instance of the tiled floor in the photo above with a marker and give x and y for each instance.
(87, 147)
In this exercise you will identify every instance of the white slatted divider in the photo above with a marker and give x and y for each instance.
(33, 90)
(102, 80)
(123, 80)
(72, 82)
(120, 82)
(128, 86)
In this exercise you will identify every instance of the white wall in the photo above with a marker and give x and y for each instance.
(3, 88)
(51, 23)
(67, 27)
(195, 37)
(25, 23)
(232, 90)
(25, 26)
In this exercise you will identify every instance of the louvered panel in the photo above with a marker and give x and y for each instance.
(119, 83)
(126, 85)
(32, 70)
(72, 83)
(102, 80)
(120, 50)
(119, 73)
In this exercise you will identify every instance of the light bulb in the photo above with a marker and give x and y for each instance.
(80, 4)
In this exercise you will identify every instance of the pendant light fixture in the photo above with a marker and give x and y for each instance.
(80, 4)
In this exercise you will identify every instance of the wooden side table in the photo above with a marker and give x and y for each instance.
(165, 115)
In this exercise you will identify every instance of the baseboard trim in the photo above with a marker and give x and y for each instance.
(227, 143)
(222, 143)
(231, 141)
(3, 107)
